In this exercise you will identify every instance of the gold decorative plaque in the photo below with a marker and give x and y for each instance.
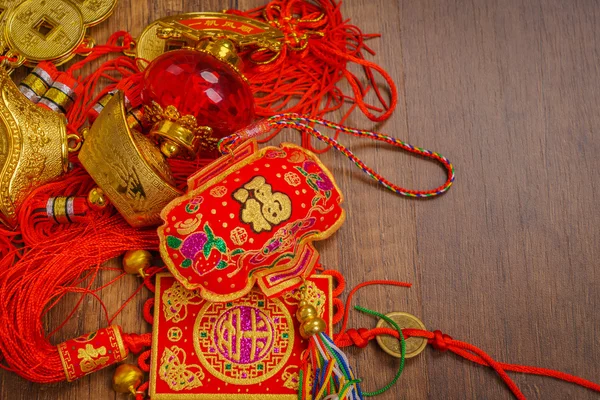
(186, 30)
(127, 166)
(33, 148)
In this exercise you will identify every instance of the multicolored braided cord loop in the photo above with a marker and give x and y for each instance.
(305, 125)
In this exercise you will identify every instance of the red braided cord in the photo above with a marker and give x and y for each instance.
(437, 340)
(140, 393)
(442, 342)
(149, 310)
(144, 360)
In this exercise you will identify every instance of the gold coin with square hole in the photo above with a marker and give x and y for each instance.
(95, 11)
(44, 29)
(391, 345)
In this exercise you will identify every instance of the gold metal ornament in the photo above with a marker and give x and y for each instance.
(179, 135)
(127, 379)
(310, 322)
(312, 327)
(219, 34)
(33, 148)
(49, 30)
(135, 262)
(389, 344)
(97, 199)
(127, 166)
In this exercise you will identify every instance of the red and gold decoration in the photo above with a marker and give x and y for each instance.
(34, 148)
(253, 221)
(236, 350)
(92, 352)
(157, 150)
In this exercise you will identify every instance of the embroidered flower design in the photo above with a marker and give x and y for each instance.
(203, 250)
(317, 179)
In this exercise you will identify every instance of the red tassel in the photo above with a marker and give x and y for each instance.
(44, 275)
(304, 78)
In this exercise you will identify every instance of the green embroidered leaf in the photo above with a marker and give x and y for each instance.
(207, 248)
(237, 251)
(315, 200)
(186, 263)
(220, 245)
(222, 265)
(174, 242)
(328, 194)
(302, 171)
(312, 185)
(209, 233)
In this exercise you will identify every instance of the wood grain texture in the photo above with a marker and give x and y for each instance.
(508, 259)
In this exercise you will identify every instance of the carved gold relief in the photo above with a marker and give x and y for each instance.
(127, 166)
(33, 148)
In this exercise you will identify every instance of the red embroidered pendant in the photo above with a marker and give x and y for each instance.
(92, 352)
(251, 219)
(241, 349)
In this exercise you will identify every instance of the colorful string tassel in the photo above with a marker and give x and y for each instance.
(329, 372)
(326, 373)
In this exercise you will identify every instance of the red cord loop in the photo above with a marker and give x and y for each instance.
(360, 338)
(440, 341)
(144, 360)
(149, 310)
(338, 313)
(340, 283)
(136, 343)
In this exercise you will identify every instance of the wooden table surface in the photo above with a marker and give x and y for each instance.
(508, 259)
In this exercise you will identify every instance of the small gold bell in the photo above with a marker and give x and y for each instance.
(127, 378)
(170, 149)
(97, 200)
(135, 262)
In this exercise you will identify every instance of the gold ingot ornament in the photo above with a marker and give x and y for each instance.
(33, 148)
(127, 166)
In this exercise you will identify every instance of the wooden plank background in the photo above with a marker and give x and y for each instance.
(508, 259)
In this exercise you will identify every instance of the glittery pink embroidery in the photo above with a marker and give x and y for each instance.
(244, 335)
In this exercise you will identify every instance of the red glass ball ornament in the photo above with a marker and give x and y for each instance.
(199, 84)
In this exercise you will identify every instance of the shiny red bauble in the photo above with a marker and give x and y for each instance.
(199, 84)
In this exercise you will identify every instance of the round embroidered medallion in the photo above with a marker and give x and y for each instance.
(246, 341)
(244, 335)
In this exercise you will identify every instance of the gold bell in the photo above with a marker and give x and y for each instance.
(135, 262)
(127, 166)
(33, 148)
(127, 379)
(97, 199)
